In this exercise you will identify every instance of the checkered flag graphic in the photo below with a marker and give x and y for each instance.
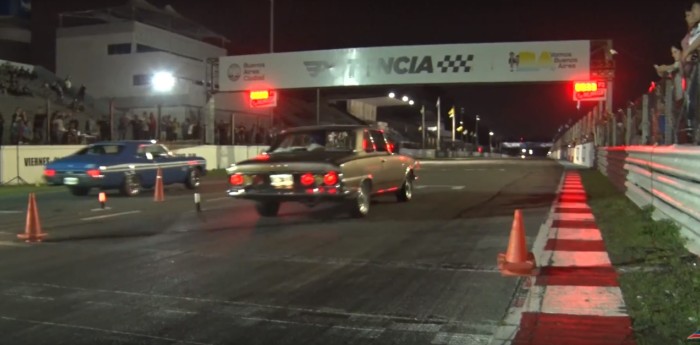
(458, 63)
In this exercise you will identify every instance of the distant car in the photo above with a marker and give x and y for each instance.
(348, 164)
(127, 166)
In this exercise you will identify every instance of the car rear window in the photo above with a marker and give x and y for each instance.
(100, 150)
(315, 140)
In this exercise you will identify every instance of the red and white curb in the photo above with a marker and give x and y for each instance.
(575, 298)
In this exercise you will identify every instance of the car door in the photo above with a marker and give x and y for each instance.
(382, 177)
(145, 166)
(394, 164)
(170, 167)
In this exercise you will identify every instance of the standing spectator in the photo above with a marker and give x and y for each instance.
(185, 129)
(2, 128)
(152, 127)
(121, 127)
(81, 94)
(67, 83)
(146, 127)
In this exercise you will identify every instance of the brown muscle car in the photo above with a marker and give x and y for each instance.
(341, 163)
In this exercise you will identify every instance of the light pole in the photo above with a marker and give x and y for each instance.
(476, 131)
(161, 82)
(490, 142)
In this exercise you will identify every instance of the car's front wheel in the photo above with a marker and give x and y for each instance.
(267, 208)
(131, 185)
(359, 206)
(79, 191)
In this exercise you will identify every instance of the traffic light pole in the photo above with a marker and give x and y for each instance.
(318, 106)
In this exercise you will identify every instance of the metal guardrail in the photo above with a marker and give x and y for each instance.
(664, 177)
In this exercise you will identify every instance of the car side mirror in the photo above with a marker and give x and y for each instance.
(149, 156)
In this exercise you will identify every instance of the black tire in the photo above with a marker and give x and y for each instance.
(360, 204)
(192, 180)
(79, 191)
(131, 185)
(406, 192)
(267, 208)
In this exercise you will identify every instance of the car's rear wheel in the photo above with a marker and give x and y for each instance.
(193, 179)
(79, 191)
(406, 192)
(359, 206)
(131, 185)
(267, 208)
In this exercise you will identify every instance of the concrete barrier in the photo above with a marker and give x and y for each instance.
(28, 161)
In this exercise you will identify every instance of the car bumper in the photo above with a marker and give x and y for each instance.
(73, 180)
(303, 195)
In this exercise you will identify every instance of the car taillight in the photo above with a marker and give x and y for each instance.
(390, 147)
(93, 173)
(330, 178)
(307, 179)
(236, 179)
(49, 173)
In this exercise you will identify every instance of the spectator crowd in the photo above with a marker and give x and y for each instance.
(684, 73)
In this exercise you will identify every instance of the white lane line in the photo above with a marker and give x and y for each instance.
(423, 186)
(111, 215)
(444, 338)
(218, 199)
(10, 211)
(102, 330)
(101, 209)
(11, 244)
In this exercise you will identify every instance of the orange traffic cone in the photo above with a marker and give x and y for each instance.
(102, 198)
(517, 261)
(159, 195)
(32, 228)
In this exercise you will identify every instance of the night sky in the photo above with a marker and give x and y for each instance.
(642, 33)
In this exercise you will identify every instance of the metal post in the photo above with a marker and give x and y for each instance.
(645, 120)
(111, 119)
(476, 132)
(233, 129)
(669, 134)
(422, 120)
(318, 106)
(454, 122)
(437, 144)
(272, 26)
(614, 130)
(48, 122)
(158, 121)
(628, 127)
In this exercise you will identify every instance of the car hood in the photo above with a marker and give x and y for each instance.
(336, 158)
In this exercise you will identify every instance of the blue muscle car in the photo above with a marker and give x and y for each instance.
(127, 166)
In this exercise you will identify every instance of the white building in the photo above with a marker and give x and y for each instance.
(114, 52)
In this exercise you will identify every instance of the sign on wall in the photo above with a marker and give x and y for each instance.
(428, 64)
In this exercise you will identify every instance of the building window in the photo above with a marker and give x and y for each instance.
(142, 79)
(142, 48)
(120, 48)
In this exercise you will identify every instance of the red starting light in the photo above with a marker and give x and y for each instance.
(236, 179)
(94, 173)
(330, 178)
(307, 179)
(49, 173)
(259, 95)
(262, 98)
(587, 86)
